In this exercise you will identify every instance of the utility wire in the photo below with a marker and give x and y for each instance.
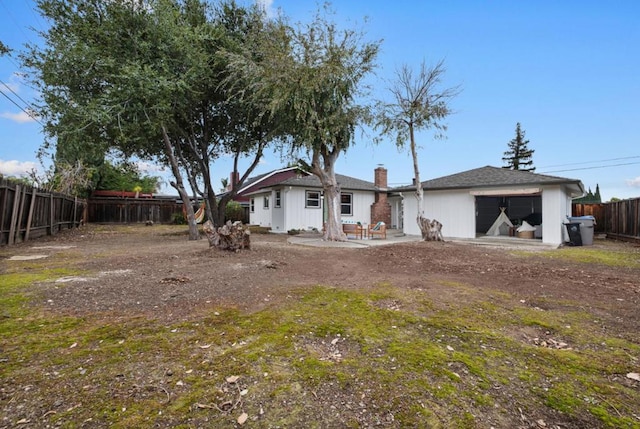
(590, 162)
(593, 167)
(20, 98)
(22, 108)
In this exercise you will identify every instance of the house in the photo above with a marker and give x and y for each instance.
(286, 202)
(254, 183)
(468, 203)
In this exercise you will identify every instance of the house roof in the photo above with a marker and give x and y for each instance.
(312, 181)
(345, 182)
(253, 181)
(489, 176)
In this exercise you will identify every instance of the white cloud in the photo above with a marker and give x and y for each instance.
(147, 167)
(267, 6)
(16, 168)
(21, 117)
(634, 182)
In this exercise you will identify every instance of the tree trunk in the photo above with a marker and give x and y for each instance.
(331, 187)
(333, 227)
(230, 236)
(194, 234)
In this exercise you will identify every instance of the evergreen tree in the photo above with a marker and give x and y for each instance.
(519, 156)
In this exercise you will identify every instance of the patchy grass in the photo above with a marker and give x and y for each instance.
(347, 358)
(603, 254)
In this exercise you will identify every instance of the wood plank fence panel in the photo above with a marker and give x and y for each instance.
(27, 213)
(133, 210)
(598, 211)
(623, 219)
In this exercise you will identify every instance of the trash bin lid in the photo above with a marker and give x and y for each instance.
(575, 218)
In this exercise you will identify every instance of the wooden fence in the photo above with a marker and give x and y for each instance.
(133, 210)
(141, 210)
(596, 210)
(27, 212)
(619, 220)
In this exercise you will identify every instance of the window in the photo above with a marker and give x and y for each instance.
(278, 199)
(265, 202)
(313, 199)
(252, 205)
(346, 204)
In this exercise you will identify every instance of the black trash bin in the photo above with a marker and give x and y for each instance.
(575, 238)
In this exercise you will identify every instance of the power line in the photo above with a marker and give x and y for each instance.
(594, 167)
(21, 108)
(590, 162)
(14, 93)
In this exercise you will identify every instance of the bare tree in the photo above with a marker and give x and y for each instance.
(418, 104)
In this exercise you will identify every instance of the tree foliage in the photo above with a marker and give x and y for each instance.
(146, 78)
(125, 176)
(312, 80)
(519, 156)
(418, 104)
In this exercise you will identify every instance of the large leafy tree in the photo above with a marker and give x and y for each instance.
(519, 156)
(418, 103)
(312, 78)
(145, 78)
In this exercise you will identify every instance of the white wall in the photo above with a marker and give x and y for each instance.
(361, 207)
(296, 216)
(278, 213)
(556, 206)
(454, 209)
(260, 215)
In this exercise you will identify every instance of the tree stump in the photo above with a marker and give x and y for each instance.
(231, 236)
(431, 229)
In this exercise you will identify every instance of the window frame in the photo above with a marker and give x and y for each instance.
(349, 204)
(265, 202)
(278, 199)
(317, 200)
(252, 205)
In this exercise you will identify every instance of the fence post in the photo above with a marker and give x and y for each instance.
(30, 216)
(23, 196)
(51, 211)
(14, 215)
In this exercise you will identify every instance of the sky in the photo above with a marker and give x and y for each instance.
(568, 72)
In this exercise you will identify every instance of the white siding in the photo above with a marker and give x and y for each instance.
(278, 220)
(456, 211)
(556, 206)
(296, 215)
(261, 216)
(361, 207)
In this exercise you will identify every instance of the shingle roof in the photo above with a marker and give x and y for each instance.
(491, 177)
(346, 183)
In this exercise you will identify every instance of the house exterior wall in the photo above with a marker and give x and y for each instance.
(260, 215)
(296, 215)
(278, 213)
(361, 207)
(293, 214)
(556, 206)
(455, 209)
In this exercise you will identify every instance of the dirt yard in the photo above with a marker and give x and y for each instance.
(155, 273)
(161, 274)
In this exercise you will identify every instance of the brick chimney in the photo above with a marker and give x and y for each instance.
(381, 209)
